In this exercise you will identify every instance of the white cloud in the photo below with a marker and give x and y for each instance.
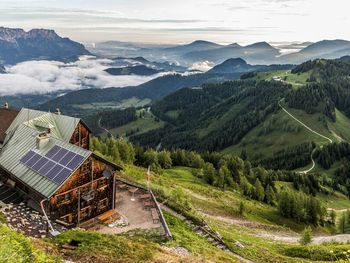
(43, 77)
(202, 66)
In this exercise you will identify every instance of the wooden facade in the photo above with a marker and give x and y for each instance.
(87, 194)
(81, 136)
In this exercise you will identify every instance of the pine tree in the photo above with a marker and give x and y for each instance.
(259, 192)
(306, 236)
(164, 159)
(333, 217)
(209, 173)
(242, 208)
(270, 196)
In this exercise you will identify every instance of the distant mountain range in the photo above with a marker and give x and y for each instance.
(238, 65)
(17, 45)
(257, 53)
(140, 70)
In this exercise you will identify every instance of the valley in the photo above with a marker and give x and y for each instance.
(190, 152)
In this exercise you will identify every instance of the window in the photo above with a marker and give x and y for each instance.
(102, 204)
(67, 218)
(85, 212)
(102, 183)
(64, 198)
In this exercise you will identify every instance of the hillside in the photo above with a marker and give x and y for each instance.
(246, 116)
(135, 70)
(86, 100)
(17, 45)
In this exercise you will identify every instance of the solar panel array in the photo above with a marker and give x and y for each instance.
(56, 165)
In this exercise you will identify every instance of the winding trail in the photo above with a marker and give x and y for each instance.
(103, 128)
(311, 130)
(303, 124)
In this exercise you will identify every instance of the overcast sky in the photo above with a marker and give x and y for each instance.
(181, 21)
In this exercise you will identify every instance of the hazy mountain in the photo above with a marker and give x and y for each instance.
(160, 66)
(199, 45)
(140, 70)
(328, 49)
(261, 52)
(238, 65)
(153, 90)
(17, 45)
(345, 59)
(232, 65)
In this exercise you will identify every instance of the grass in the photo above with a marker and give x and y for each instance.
(296, 80)
(280, 131)
(139, 126)
(173, 114)
(330, 252)
(179, 186)
(16, 248)
(131, 102)
(198, 246)
(107, 248)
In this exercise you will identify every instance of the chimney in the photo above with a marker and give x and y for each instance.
(58, 111)
(42, 140)
(6, 106)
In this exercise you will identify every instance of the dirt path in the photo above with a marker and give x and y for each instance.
(303, 124)
(310, 129)
(275, 233)
(103, 128)
(174, 213)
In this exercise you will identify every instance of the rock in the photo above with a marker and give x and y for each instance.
(181, 251)
(239, 245)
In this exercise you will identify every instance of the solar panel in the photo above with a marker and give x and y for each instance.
(36, 157)
(62, 176)
(43, 160)
(59, 155)
(26, 157)
(53, 151)
(75, 162)
(67, 158)
(54, 171)
(56, 165)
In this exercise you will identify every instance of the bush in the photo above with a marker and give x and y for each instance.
(306, 238)
(319, 252)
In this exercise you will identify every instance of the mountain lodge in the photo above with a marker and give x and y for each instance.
(46, 157)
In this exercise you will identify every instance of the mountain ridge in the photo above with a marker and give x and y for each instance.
(17, 45)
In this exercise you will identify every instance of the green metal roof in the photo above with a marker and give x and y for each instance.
(62, 127)
(21, 142)
(21, 138)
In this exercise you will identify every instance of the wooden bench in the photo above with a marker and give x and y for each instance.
(148, 204)
(155, 215)
(145, 196)
(109, 217)
(121, 186)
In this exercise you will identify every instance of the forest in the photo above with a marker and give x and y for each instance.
(226, 172)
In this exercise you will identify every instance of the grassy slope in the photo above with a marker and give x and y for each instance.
(132, 102)
(179, 185)
(14, 247)
(297, 80)
(278, 137)
(143, 124)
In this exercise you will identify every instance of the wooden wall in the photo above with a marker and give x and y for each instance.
(64, 204)
(81, 136)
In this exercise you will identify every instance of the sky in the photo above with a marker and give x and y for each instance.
(182, 21)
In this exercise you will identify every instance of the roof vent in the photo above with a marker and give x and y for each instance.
(42, 140)
(58, 112)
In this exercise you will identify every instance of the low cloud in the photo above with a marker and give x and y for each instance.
(202, 66)
(42, 77)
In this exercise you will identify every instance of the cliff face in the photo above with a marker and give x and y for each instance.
(17, 45)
